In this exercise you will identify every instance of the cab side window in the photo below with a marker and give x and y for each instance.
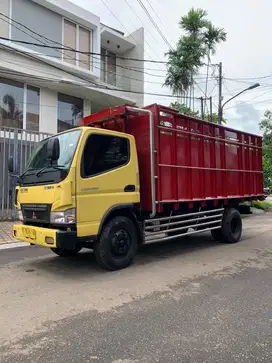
(103, 153)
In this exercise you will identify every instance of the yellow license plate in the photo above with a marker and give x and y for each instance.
(30, 233)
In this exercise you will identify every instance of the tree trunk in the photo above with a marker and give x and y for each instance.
(207, 77)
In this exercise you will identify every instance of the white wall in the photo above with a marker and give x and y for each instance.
(87, 109)
(136, 78)
(48, 111)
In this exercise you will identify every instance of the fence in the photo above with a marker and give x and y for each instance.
(19, 144)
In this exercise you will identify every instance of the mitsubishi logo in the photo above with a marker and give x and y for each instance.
(34, 216)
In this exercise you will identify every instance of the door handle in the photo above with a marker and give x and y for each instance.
(129, 188)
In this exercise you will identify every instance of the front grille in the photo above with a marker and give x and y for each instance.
(36, 213)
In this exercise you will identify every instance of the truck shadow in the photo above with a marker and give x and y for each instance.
(84, 262)
(162, 250)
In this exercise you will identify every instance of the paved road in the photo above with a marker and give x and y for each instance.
(187, 301)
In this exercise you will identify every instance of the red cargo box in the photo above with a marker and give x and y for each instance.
(194, 160)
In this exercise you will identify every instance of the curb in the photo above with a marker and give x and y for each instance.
(7, 246)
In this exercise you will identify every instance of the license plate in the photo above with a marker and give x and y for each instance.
(30, 233)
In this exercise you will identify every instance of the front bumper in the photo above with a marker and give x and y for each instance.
(45, 237)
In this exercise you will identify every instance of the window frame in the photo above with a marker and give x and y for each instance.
(82, 174)
(106, 67)
(77, 65)
(67, 95)
(25, 102)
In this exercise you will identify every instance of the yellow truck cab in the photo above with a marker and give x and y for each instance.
(74, 183)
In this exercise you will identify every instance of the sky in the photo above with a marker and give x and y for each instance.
(246, 55)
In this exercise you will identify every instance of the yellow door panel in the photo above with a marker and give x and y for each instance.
(97, 193)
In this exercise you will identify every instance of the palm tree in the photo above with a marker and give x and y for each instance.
(212, 36)
(185, 61)
(77, 111)
(11, 112)
(194, 21)
(188, 57)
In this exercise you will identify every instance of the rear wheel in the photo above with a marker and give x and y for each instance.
(117, 244)
(66, 253)
(231, 229)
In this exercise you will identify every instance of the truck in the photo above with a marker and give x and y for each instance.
(128, 176)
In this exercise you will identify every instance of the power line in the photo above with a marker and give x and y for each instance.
(81, 52)
(154, 24)
(72, 58)
(11, 21)
(120, 75)
(251, 99)
(146, 29)
(92, 85)
(134, 68)
(157, 16)
(105, 4)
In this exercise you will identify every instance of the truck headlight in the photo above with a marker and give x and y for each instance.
(20, 215)
(65, 217)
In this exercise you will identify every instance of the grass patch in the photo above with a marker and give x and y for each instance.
(264, 205)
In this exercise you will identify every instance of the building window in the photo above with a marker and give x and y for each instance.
(84, 46)
(11, 103)
(19, 105)
(69, 42)
(32, 108)
(70, 111)
(78, 38)
(103, 153)
(4, 25)
(108, 67)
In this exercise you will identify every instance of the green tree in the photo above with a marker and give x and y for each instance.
(214, 118)
(212, 37)
(198, 44)
(267, 171)
(183, 63)
(266, 128)
(11, 111)
(185, 110)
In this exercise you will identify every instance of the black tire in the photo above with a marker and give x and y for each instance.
(117, 245)
(231, 229)
(66, 253)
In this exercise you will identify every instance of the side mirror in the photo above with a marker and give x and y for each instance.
(10, 165)
(53, 149)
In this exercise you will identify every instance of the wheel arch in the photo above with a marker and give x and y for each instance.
(131, 211)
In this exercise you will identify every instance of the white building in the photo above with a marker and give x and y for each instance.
(46, 89)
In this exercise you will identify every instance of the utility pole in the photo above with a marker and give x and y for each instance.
(220, 113)
(202, 107)
(211, 109)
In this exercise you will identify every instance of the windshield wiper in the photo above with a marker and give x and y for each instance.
(27, 172)
(57, 167)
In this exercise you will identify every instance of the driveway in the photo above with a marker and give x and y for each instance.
(191, 300)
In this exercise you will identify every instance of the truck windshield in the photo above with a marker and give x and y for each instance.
(39, 167)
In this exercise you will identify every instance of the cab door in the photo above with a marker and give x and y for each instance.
(106, 176)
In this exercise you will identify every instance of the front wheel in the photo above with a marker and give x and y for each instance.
(62, 252)
(117, 245)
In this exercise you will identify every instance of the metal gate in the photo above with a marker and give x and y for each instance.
(19, 144)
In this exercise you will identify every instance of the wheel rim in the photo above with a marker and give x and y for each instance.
(120, 243)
